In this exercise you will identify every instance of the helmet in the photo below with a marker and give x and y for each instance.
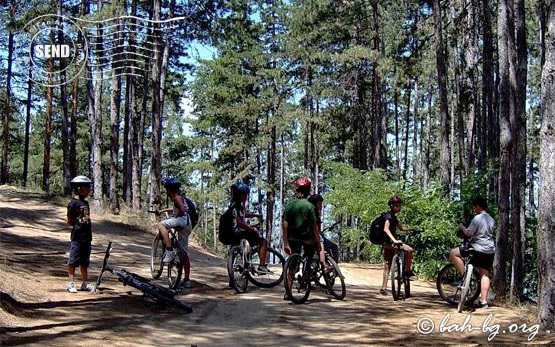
(172, 182)
(80, 181)
(314, 198)
(303, 182)
(394, 200)
(242, 187)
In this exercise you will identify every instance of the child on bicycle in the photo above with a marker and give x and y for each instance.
(181, 223)
(299, 223)
(480, 233)
(390, 227)
(78, 216)
(240, 192)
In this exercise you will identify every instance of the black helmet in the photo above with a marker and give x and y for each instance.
(172, 182)
(394, 200)
(80, 181)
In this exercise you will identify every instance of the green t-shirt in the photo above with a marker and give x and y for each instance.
(299, 214)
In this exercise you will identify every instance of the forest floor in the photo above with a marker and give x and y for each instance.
(37, 310)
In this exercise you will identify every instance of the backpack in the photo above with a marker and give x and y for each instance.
(377, 235)
(225, 228)
(192, 211)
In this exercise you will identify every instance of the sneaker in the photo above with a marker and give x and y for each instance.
(410, 275)
(169, 256)
(483, 304)
(385, 292)
(87, 286)
(187, 284)
(264, 269)
(71, 287)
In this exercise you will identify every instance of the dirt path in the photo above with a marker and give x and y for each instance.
(37, 310)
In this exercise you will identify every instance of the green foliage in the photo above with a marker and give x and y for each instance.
(362, 196)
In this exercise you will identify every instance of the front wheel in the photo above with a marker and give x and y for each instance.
(465, 290)
(275, 263)
(236, 269)
(296, 279)
(397, 280)
(156, 255)
(335, 281)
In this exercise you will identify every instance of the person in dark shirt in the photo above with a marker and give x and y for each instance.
(79, 218)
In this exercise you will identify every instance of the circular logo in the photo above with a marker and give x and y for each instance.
(52, 48)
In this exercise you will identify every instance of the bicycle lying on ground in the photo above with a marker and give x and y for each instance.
(300, 271)
(459, 289)
(242, 267)
(160, 294)
(400, 284)
(174, 269)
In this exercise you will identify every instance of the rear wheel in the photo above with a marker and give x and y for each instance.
(334, 279)
(275, 264)
(175, 269)
(156, 254)
(236, 269)
(296, 280)
(449, 283)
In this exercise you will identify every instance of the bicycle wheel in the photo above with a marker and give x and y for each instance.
(334, 279)
(156, 254)
(236, 269)
(296, 280)
(175, 269)
(449, 281)
(275, 265)
(396, 278)
(159, 294)
(465, 290)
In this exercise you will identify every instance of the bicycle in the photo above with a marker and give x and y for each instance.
(399, 282)
(300, 271)
(160, 294)
(242, 267)
(459, 289)
(175, 267)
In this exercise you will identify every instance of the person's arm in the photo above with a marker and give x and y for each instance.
(388, 232)
(316, 235)
(404, 228)
(286, 247)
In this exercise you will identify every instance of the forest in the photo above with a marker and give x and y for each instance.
(434, 101)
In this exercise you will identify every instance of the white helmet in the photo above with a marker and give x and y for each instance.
(80, 181)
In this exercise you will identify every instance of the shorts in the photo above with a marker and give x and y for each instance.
(79, 254)
(252, 236)
(309, 246)
(479, 259)
(183, 226)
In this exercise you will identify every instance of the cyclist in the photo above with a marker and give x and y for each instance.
(181, 223)
(79, 217)
(299, 223)
(480, 233)
(239, 195)
(391, 225)
(328, 245)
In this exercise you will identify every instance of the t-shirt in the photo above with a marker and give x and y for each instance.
(78, 210)
(237, 210)
(393, 222)
(481, 230)
(299, 214)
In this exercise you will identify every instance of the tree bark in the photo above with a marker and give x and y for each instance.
(546, 215)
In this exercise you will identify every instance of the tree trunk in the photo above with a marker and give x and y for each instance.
(115, 103)
(6, 122)
(443, 103)
(546, 215)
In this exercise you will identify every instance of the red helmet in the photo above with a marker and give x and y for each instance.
(303, 182)
(394, 200)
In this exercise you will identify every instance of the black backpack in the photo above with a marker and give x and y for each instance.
(225, 229)
(192, 211)
(377, 235)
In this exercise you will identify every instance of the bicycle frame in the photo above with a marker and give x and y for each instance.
(160, 294)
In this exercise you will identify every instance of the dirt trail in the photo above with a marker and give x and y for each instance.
(37, 310)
